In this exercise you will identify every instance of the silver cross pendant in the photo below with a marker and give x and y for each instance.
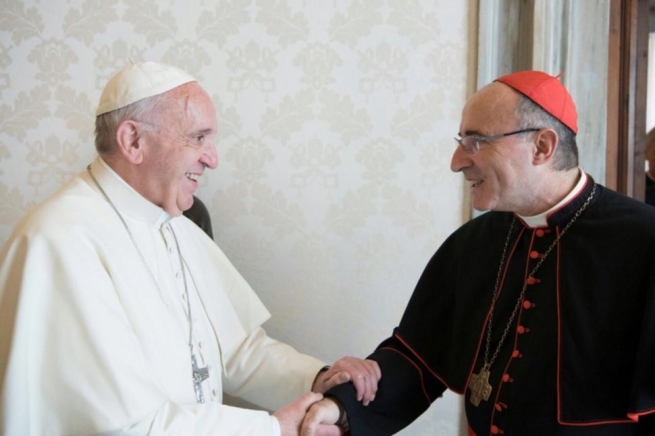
(199, 375)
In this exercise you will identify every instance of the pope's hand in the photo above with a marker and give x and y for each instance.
(321, 419)
(364, 374)
(291, 416)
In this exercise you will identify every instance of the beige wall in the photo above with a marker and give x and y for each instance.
(336, 121)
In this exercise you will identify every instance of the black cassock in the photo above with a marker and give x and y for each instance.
(579, 358)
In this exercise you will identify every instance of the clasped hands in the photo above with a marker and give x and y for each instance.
(313, 415)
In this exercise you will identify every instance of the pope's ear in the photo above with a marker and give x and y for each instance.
(546, 141)
(129, 139)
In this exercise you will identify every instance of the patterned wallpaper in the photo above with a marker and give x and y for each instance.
(336, 120)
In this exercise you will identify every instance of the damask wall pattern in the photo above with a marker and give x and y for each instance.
(336, 120)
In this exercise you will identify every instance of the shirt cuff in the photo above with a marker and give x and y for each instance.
(276, 427)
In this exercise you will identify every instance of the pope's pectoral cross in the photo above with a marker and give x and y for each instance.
(199, 375)
(480, 387)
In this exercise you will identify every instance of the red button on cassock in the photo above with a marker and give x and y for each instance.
(534, 254)
(496, 430)
(540, 233)
(501, 406)
(528, 304)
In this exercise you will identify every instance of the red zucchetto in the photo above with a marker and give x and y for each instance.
(547, 91)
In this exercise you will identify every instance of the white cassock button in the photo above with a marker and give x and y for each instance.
(200, 345)
(213, 392)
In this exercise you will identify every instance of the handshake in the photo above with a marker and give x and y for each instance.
(313, 415)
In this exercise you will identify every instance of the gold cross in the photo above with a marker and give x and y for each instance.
(480, 387)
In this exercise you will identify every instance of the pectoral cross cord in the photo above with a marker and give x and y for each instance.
(198, 375)
(479, 384)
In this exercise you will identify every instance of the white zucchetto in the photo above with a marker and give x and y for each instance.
(138, 81)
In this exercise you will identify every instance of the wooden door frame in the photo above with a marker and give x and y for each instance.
(627, 82)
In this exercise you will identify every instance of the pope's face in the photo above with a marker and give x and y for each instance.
(501, 171)
(179, 149)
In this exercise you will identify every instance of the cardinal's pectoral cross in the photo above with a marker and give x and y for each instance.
(480, 387)
(199, 375)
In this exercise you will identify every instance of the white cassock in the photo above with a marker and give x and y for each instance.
(89, 345)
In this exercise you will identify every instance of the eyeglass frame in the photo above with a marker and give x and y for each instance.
(474, 149)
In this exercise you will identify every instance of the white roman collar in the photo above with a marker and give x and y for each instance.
(541, 220)
(128, 201)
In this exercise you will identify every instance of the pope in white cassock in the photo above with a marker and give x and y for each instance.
(119, 315)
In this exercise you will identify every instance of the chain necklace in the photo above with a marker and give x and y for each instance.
(198, 374)
(480, 387)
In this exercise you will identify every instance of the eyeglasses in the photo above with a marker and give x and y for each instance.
(471, 144)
